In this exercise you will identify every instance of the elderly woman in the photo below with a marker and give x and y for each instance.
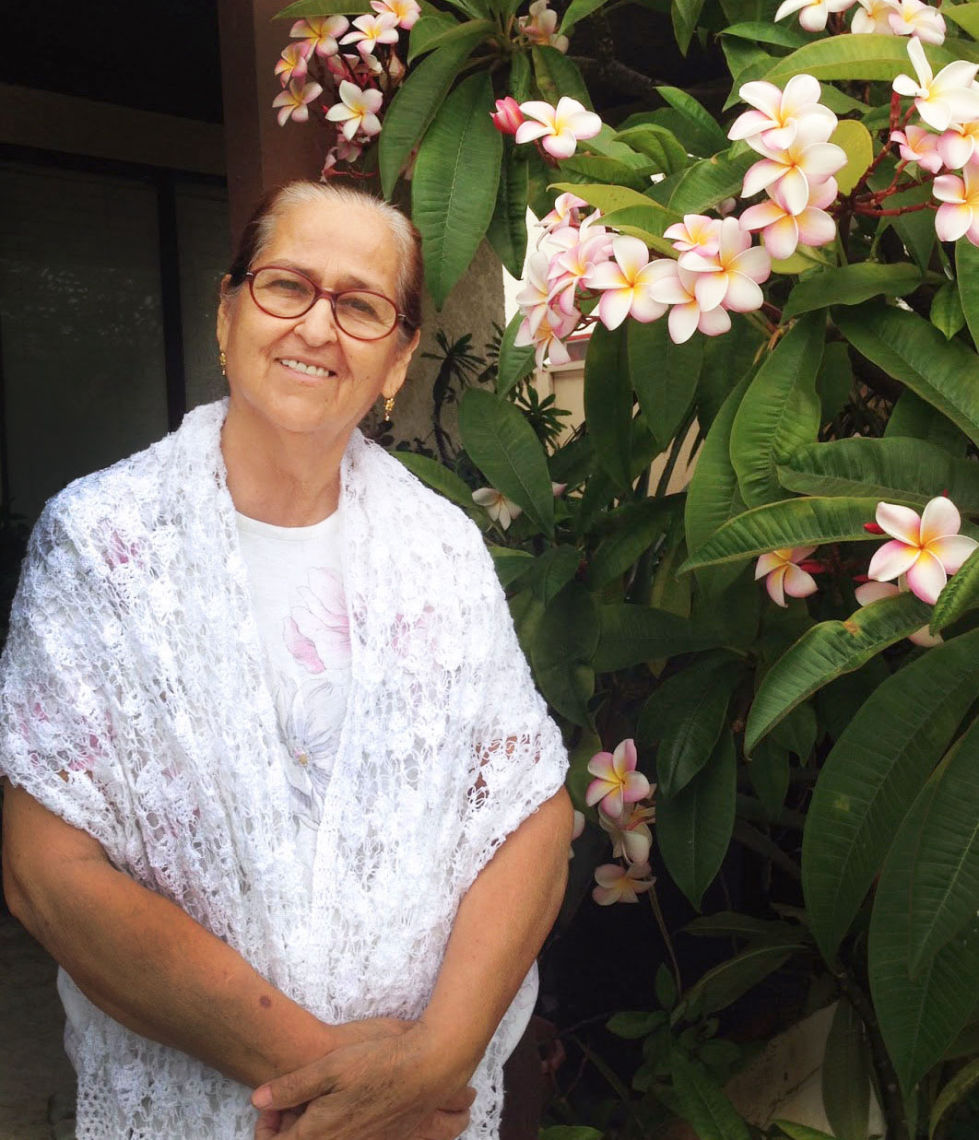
(281, 798)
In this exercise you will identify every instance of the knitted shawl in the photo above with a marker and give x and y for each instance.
(135, 706)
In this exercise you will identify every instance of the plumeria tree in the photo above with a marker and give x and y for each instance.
(772, 666)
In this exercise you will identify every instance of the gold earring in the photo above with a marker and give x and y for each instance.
(388, 408)
(223, 361)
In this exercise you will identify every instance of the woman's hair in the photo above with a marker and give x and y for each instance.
(258, 233)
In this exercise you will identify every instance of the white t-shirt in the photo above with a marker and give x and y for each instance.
(296, 580)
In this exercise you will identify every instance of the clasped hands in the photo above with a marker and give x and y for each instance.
(384, 1080)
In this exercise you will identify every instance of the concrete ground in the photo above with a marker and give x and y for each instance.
(37, 1084)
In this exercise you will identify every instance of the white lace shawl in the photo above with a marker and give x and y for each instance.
(133, 666)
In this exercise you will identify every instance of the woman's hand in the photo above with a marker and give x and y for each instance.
(395, 1087)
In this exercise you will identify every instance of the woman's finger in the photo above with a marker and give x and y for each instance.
(294, 1089)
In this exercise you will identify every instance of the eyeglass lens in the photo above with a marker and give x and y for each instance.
(283, 293)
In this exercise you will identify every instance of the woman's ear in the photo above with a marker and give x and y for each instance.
(224, 314)
(399, 371)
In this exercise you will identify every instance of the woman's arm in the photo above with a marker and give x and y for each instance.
(376, 1090)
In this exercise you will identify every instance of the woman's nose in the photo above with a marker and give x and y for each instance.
(318, 325)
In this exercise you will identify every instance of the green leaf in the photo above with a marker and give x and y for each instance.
(891, 468)
(642, 524)
(577, 10)
(519, 80)
(632, 1024)
(507, 232)
(761, 32)
(919, 1017)
(834, 383)
(510, 565)
(415, 103)
(793, 522)
(846, 1075)
(851, 57)
(825, 652)
(914, 418)
(686, 714)
(438, 476)
(801, 1131)
(598, 168)
(504, 447)
(872, 775)
(428, 32)
(734, 924)
(631, 634)
(722, 985)
(453, 190)
(302, 9)
(515, 363)
(611, 198)
(685, 14)
(570, 1132)
(967, 279)
(967, 1078)
(659, 145)
(769, 772)
(961, 594)
(779, 412)
(704, 133)
(966, 16)
(907, 347)
(946, 310)
(664, 376)
(558, 75)
(703, 1104)
(707, 182)
(693, 827)
(562, 650)
(850, 285)
(916, 229)
(858, 145)
(608, 402)
(553, 570)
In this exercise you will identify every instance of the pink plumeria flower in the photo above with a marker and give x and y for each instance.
(499, 508)
(566, 212)
(548, 337)
(913, 18)
(616, 782)
(358, 111)
(696, 233)
(321, 33)
(625, 283)
(534, 298)
(558, 489)
(293, 103)
(507, 116)
(293, 64)
(774, 121)
(540, 26)
(405, 12)
(559, 128)
(942, 99)
(591, 248)
(782, 231)
(783, 575)
(874, 591)
(630, 833)
(813, 14)
(621, 884)
(342, 151)
(371, 31)
(920, 146)
(675, 286)
(926, 548)
(959, 213)
(795, 168)
(873, 18)
(959, 145)
(733, 276)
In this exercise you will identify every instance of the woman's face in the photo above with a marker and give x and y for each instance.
(338, 247)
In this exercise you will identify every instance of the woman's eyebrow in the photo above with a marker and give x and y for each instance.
(350, 281)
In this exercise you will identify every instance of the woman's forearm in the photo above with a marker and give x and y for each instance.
(142, 959)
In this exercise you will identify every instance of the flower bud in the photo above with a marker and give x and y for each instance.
(507, 116)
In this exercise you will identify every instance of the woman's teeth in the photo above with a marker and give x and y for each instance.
(307, 369)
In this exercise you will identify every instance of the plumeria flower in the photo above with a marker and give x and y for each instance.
(559, 128)
(630, 833)
(676, 287)
(625, 284)
(913, 18)
(874, 591)
(941, 99)
(293, 64)
(783, 575)
(806, 160)
(778, 113)
(813, 14)
(321, 33)
(358, 111)
(499, 508)
(782, 231)
(371, 31)
(959, 213)
(566, 212)
(621, 884)
(534, 298)
(959, 145)
(293, 103)
(591, 248)
(405, 12)
(872, 18)
(342, 151)
(548, 338)
(733, 276)
(616, 782)
(925, 548)
(920, 146)
(507, 116)
(696, 233)
(540, 26)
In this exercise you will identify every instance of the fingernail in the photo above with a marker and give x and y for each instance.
(262, 1098)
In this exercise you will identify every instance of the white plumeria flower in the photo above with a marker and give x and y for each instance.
(920, 146)
(535, 293)
(371, 31)
(293, 103)
(696, 233)
(566, 212)
(294, 63)
(559, 128)
(630, 833)
(540, 26)
(358, 111)
(782, 231)
(548, 338)
(499, 508)
(783, 576)
(958, 215)
(625, 284)
(406, 12)
(778, 113)
(807, 160)
(321, 33)
(618, 884)
(958, 145)
(941, 99)
(874, 591)
(675, 286)
(733, 276)
(914, 18)
(813, 14)
(873, 18)
(588, 246)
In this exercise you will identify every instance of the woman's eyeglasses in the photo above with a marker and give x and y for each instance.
(288, 294)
